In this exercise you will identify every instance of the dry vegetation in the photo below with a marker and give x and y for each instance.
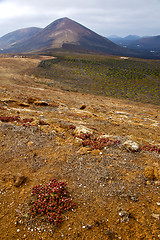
(106, 150)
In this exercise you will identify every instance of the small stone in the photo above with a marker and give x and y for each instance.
(88, 226)
(23, 104)
(78, 142)
(30, 143)
(149, 172)
(41, 103)
(110, 234)
(31, 100)
(157, 183)
(156, 216)
(19, 179)
(124, 216)
(82, 107)
(84, 150)
(95, 152)
(82, 129)
(157, 172)
(131, 146)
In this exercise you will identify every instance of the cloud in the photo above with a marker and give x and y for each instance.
(103, 16)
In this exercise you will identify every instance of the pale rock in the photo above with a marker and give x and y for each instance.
(156, 216)
(131, 146)
(82, 129)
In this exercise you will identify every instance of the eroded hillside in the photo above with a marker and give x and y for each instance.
(105, 149)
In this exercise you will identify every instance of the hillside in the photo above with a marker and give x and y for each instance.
(106, 150)
(137, 80)
(18, 36)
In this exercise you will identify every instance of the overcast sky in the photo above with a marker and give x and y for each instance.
(106, 17)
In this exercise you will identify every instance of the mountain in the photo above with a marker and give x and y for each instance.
(17, 36)
(147, 43)
(67, 34)
(123, 41)
(131, 37)
(137, 43)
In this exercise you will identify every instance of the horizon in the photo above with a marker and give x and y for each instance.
(104, 17)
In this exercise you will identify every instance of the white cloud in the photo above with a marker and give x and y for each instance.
(8, 10)
(120, 17)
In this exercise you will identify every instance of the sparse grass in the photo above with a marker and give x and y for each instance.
(137, 80)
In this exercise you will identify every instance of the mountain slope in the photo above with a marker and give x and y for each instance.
(123, 41)
(65, 33)
(17, 36)
(149, 43)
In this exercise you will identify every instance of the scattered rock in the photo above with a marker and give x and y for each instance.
(82, 129)
(157, 172)
(152, 172)
(30, 143)
(9, 100)
(41, 103)
(124, 216)
(31, 100)
(106, 136)
(131, 146)
(156, 216)
(19, 179)
(84, 150)
(110, 234)
(88, 226)
(82, 107)
(23, 104)
(157, 183)
(149, 172)
(96, 152)
(78, 142)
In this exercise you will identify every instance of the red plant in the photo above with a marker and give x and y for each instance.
(16, 119)
(150, 148)
(51, 201)
(96, 143)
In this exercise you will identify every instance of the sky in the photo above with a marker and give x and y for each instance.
(105, 17)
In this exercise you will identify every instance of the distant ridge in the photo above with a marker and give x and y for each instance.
(148, 43)
(17, 37)
(136, 42)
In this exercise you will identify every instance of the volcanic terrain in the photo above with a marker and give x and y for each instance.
(113, 179)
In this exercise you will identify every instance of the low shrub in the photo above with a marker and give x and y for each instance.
(51, 201)
(96, 142)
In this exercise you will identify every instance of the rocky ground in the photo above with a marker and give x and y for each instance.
(115, 186)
